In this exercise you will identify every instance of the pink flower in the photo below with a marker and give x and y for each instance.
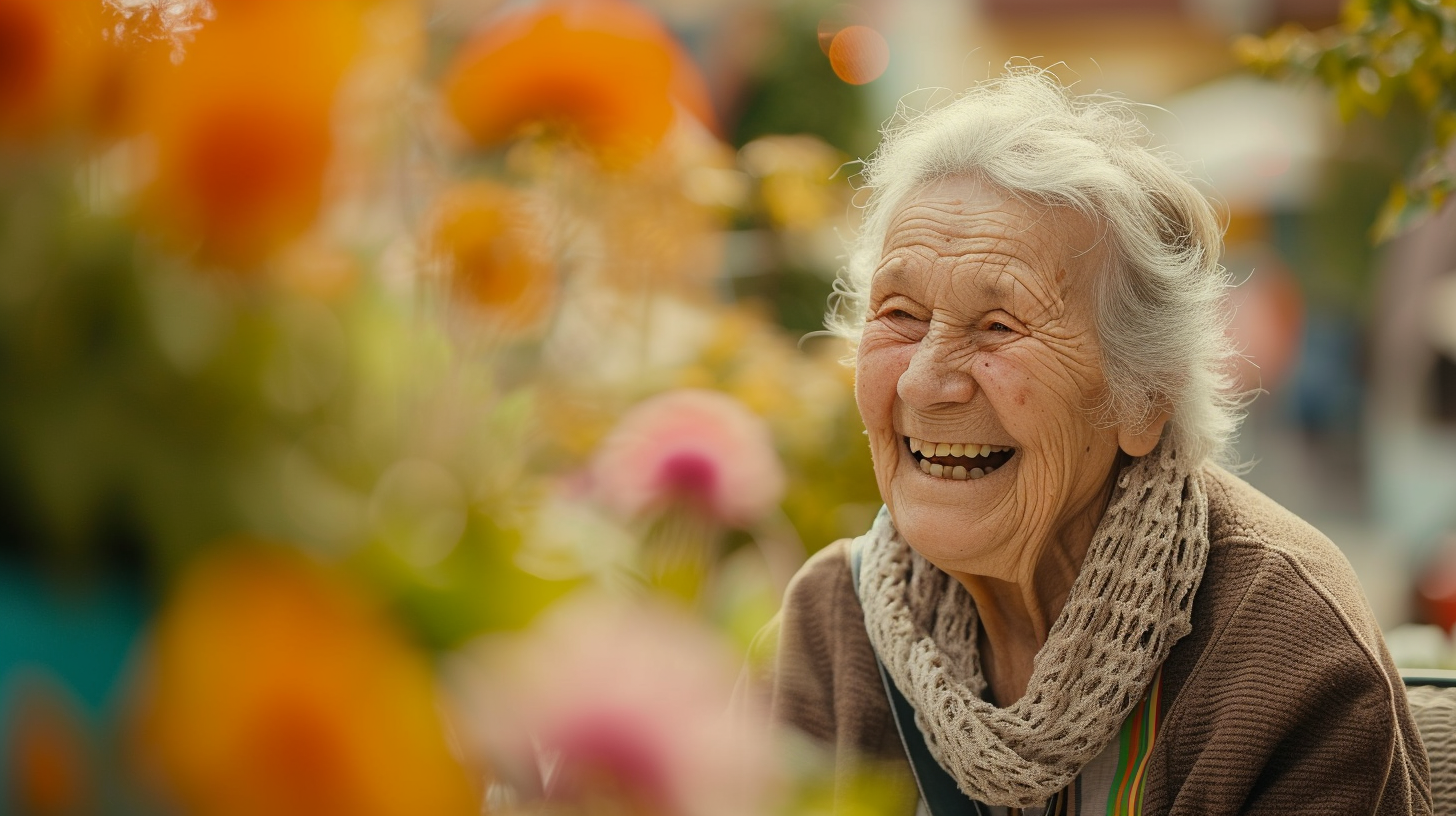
(694, 447)
(610, 706)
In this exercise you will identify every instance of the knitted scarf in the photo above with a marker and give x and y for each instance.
(1129, 604)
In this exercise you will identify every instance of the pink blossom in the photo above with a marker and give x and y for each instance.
(613, 705)
(701, 448)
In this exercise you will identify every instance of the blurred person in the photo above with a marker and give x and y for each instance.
(1066, 605)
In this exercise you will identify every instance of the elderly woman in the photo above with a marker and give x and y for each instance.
(1064, 606)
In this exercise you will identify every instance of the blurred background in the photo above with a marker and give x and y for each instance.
(419, 405)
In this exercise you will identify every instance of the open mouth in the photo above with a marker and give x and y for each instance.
(960, 461)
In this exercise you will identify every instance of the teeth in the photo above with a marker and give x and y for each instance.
(925, 448)
(958, 472)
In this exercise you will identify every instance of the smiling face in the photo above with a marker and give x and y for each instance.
(980, 333)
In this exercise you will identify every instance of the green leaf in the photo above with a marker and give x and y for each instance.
(1407, 207)
(1395, 215)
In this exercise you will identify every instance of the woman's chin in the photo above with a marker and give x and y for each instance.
(947, 519)
(969, 547)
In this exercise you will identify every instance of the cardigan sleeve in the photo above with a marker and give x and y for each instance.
(825, 682)
(1294, 706)
(826, 685)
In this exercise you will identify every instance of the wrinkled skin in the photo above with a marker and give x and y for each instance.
(981, 330)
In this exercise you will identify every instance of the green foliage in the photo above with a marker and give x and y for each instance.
(1382, 51)
(794, 90)
(151, 411)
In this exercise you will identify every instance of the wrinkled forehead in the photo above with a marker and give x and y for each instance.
(963, 225)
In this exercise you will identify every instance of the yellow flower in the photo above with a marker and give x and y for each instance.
(604, 71)
(273, 687)
(797, 184)
(482, 241)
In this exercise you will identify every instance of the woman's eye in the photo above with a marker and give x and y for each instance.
(901, 316)
(999, 327)
(905, 322)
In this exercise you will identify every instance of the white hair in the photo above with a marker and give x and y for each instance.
(1161, 316)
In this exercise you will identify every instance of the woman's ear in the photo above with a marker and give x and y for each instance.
(1142, 442)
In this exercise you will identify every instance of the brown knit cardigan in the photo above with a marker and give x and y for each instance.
(1283, 698)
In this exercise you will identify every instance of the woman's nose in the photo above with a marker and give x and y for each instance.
(935, 376)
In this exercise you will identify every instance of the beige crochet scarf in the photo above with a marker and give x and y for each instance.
(1128, 606)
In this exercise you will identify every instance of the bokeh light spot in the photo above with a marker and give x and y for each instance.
(419, 509)
(859, 54)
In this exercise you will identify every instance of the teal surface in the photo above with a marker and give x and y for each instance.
(78, 639)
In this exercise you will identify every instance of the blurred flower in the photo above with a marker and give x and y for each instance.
(694, 447)
(47, 768)
(482, 241)
(797, 174)
(242, 130)
(806, 394)
(271, 687)
(50, 52)
(174, 21)
(604, 71)
(613, 707)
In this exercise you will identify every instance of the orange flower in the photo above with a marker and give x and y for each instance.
(482, 242)
(49, 55)
(604, 71)
(243, 127)
(46, 747)
(273, 688)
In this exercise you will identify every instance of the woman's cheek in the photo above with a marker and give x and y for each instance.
(869, 385)
(1000, 378)
(877, 376)
(1015, 378)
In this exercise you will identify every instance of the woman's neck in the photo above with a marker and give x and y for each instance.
(1015, 619)
(1016, 614)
